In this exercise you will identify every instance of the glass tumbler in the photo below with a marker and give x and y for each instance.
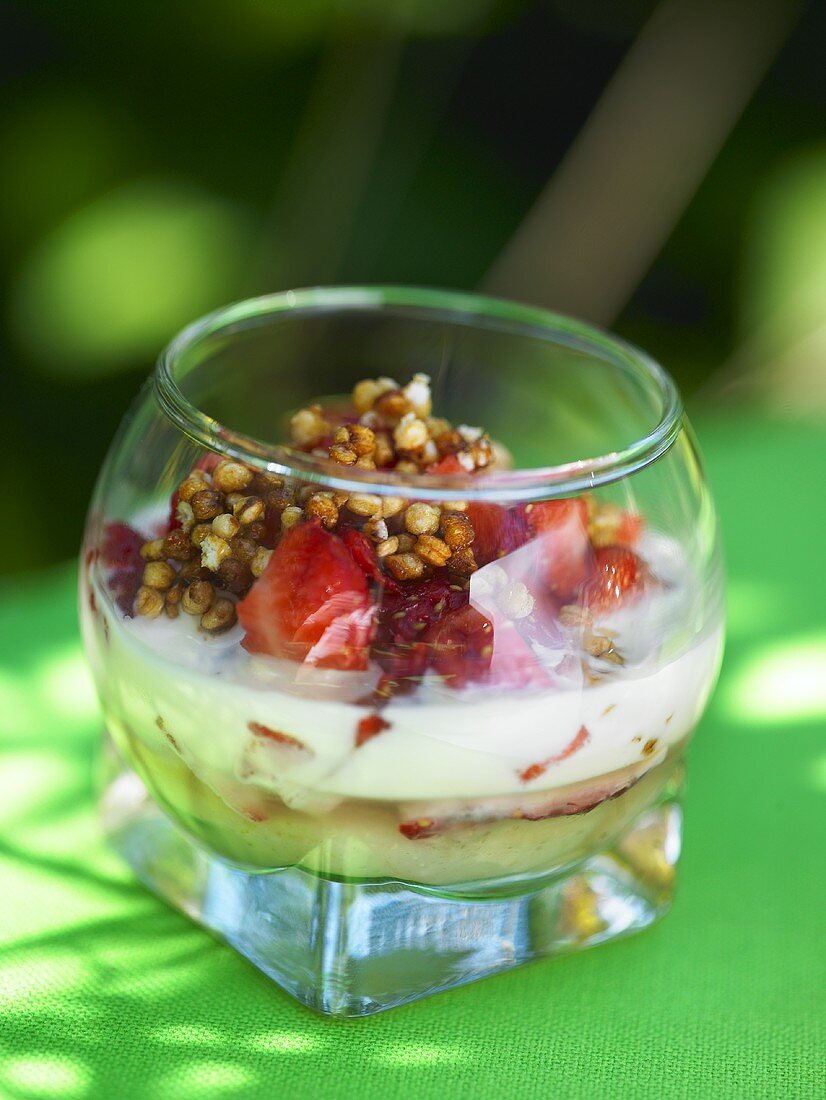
(390, 727)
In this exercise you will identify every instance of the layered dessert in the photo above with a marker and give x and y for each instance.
(375, 684)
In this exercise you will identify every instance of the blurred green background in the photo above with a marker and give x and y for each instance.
(656, 168)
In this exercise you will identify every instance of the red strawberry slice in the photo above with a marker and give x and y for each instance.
(581, 801)
(427, 819)
(279, 737)
(561, 527)
(370, 727)
(122, 546)
(461, 646)
(310, 583)
(618, 577)
(499, 530)
(574, 745)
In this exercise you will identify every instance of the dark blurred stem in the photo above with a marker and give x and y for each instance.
(610, 206)
(406, 145)
(317, 202)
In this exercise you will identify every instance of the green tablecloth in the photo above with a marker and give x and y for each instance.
(105, 992)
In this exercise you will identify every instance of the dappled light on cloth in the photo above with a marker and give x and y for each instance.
(782, 683)
(104, 991)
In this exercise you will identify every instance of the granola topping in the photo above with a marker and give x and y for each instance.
(412, 611)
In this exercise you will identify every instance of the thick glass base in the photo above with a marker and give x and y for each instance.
(356, 948)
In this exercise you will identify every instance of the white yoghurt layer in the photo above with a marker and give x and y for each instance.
(440, 743)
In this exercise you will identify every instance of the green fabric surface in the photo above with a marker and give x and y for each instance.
(105, 992)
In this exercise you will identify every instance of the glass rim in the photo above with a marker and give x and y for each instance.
(455, 307)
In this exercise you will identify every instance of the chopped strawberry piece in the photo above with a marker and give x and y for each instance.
(461, 646)
(173, 523)
(404, 664)
(124, 585)
(449, 465)
(499, 530)
(122, 546)
(370, 727)
(312, 594)
(121, 552)
(404, 617)
(514, 663)
(618, 577)
(409, 610)
(348, 626)
(574, 745)
(272, 526)
(207, 462)
(431, 625)
(253, 813)
(630, 528)
(561, 527)
(313, 628)
(278, 736)
(363, 554)
(361, 551)
(421, 829)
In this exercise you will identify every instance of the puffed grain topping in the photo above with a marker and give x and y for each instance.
(220, 617)
(422, 519)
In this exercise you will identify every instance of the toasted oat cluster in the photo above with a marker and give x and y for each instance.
(393, 429)
(226, 517)
(215, 546)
